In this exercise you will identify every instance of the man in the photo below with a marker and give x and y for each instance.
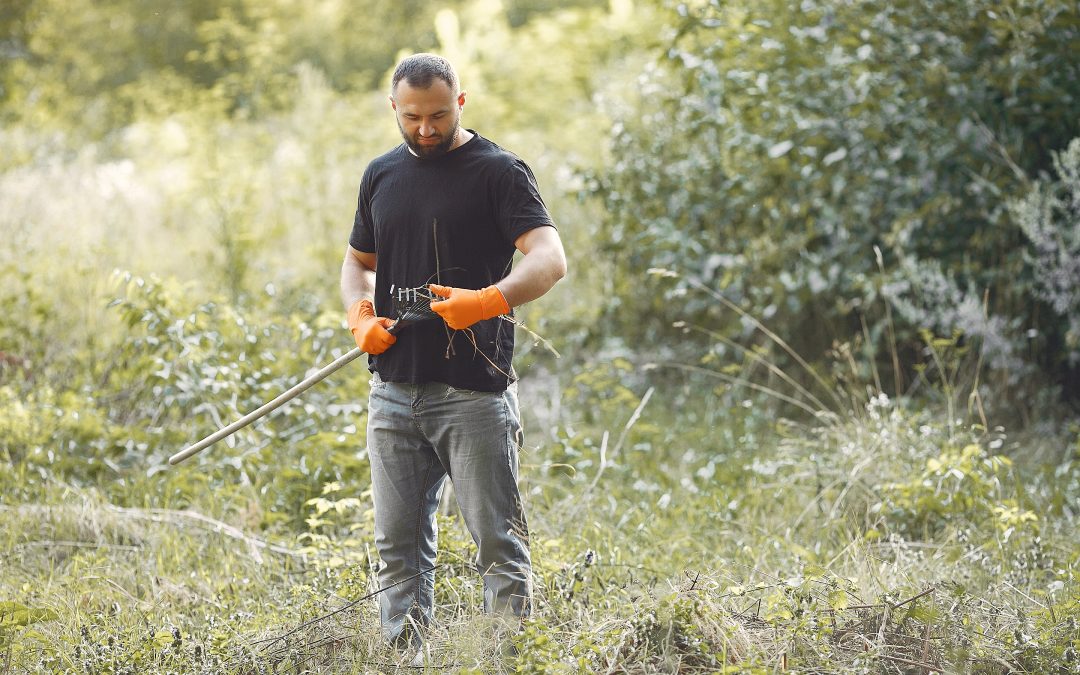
(442, 214)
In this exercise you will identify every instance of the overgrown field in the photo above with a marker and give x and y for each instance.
(679, 523)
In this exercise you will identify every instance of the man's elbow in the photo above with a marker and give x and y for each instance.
(558, 260)
(557, 267)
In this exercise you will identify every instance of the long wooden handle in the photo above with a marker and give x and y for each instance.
(247, 419)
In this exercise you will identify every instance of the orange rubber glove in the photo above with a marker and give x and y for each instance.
(369, 330)
(463, 307)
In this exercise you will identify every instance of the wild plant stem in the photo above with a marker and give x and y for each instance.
(898, 375)
(819, 413)
(603, 448)
(772, 367)
(770, 334)
(342, 609)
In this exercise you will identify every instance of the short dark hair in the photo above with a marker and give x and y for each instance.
(420, 71)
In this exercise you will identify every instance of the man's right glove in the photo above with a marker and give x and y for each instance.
(369, 330)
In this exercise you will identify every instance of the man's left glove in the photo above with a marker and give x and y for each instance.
(463, 307)
(369, 331)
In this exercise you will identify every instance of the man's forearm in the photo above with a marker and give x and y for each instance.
(542, 266)
(357, 281)
(533, 276)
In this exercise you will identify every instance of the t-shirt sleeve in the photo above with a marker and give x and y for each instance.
(519, 207)
(363, 230)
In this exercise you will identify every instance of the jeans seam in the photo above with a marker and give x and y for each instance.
(417, 600)
(508, 432)
(512, 438)
(416, 550)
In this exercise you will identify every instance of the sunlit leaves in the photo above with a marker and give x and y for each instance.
(800, 138)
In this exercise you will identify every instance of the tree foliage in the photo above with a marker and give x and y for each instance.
(774, 147)
(1050, 218)
(102, 65)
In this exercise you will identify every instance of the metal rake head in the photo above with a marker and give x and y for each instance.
(412, 304)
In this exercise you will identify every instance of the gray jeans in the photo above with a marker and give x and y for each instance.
(417, 435)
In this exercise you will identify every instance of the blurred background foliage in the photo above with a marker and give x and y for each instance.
(824, 163)
(862, 178)
(178, 182)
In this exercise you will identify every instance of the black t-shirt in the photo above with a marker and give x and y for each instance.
(451, 220)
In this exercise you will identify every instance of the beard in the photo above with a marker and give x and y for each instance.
(431, 151)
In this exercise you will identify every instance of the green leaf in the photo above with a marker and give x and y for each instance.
(838, 599)
(163, 638)
(15, 614)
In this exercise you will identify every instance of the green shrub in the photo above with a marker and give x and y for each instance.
(771, 148)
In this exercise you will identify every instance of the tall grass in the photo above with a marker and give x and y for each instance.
(689, 524)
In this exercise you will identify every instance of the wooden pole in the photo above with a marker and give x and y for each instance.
(247, 419)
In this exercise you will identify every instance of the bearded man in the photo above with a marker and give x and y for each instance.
(442, 214)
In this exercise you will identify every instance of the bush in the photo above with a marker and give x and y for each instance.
(1048, 216)
(773, 147)
(184, 370)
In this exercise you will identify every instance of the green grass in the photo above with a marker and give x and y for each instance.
(681, 520)
(885, 540)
